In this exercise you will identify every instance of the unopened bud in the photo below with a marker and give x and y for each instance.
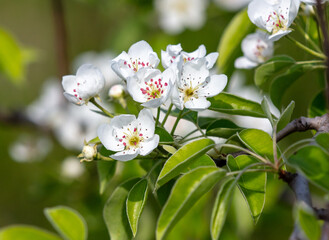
(88, 152)
(117, 91)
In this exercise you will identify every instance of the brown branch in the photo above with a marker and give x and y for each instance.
(60, 38)
(324, 29)
(302, 124)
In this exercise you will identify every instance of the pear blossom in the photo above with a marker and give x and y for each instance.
(140, 55)
(102, 61)
(71, 168)
(129, 136)
(257, 48)
(87, 84)
(151, 87)
(274, 16)
(195, 84)
(174, 53)
(176, 15)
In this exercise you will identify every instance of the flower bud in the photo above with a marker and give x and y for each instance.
(116, 91)
(88, 152)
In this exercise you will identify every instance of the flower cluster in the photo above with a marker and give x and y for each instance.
(186, 82)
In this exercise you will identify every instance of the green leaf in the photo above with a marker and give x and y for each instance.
(281, 83)
(186, 192)
(318, 105)
(106, 170)
(23, 232)
(251, 185)
(234, 105)
(203, 161)
(115, 214)
(285, 117)
(223, 128)
(258, 141)
(135, 203)
(221, 207)
(313, 162)
(268, 70)
(94, 141)
(229, 45)
(163, 134)
(12, 58)
(323, 140)
(182, 158)
(68, 222)
(308, 222)
(266, 108)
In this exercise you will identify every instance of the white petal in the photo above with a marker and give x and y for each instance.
(125, 155)
(278, 35)
(69, 83)
(148, 146)
(216, 84)
(175, 99)
(133, 89)
(165, 59)
(257, 12)
(174, 50)
(73, 99)
(146, 123)
(143, 51)
(121, 69)
(106, 134)
(197, 104)
(211, 59)
(91, 81)
(195, 71)
(199, 53)
(154, 103)
(244, 63)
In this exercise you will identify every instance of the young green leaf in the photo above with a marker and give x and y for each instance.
(229, 46)
(268, 70)
(251, 185)
(23, 232)
(285, 117)
(266, 108)
(223, 128)
(182, 158)
(203, 161)
(187, 190)
(115, 214)
(221, 207)
(106, 170)
(308, 222)
(313, 161)
(281, 83)
(318, 105)
(135, 203)
(258, 141)
(323, 140)
(68, 222)
(163, 134)
(234, 105)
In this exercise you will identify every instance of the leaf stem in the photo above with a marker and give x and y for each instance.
(158, 116)
(251, 170)
(176, 123)
(167, 115)
(305, 48)
(93, 100)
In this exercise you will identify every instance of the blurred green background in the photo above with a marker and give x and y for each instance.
(112, 25)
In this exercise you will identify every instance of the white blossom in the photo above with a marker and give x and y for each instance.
(140, 55)
(274, 16)
(176, 15)
(174, 54)
(195, 84)
(151, 87)
(87, 84)
(71, 168)
(102, 61)
(129, 136)
(256, 48)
